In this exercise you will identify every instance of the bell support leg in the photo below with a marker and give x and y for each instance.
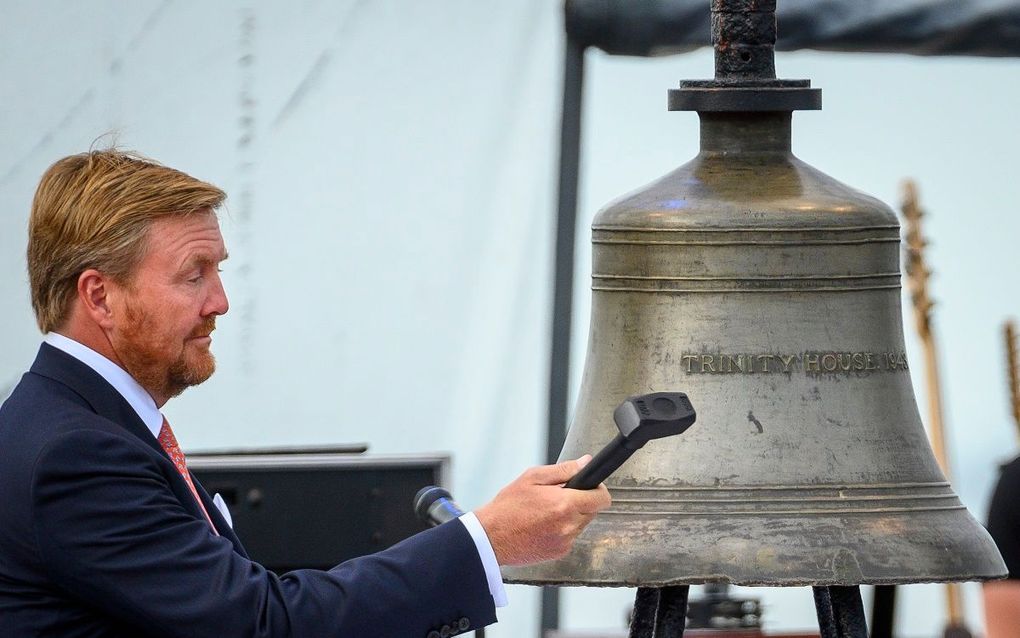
(671, 615)
(642, 621)
(840, 612)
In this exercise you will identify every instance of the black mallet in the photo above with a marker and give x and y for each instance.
(640, 419)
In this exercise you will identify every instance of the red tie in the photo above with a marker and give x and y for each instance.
(169, 443)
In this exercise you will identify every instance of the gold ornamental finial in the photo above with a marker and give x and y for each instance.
(918, 274)
(1013, 376)
(916, 268)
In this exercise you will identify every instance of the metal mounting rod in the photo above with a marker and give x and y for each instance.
(671, 615)
(744, 39)
(659, 612)
(646, 604)
(840, 612)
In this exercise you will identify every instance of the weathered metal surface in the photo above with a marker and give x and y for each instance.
(769, 292)
(840, 612)
(642, 622)
(671, 614)
(744, 39)
(659, 612)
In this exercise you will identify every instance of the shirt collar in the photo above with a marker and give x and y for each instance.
(122, 382)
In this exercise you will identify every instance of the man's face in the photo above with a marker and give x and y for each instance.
(164, 316)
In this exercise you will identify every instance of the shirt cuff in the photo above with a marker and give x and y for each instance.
(492, 575)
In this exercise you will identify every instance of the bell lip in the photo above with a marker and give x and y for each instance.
(945, 546)
(805, 582)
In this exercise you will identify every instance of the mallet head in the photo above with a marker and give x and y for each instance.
(653, 416)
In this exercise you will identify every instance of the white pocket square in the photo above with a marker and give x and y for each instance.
(221, 505)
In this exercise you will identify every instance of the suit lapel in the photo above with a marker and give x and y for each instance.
(224, 528)
(105, 401)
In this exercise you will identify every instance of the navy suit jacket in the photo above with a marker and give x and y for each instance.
(100, 536)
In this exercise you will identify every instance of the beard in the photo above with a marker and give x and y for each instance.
(159, 362)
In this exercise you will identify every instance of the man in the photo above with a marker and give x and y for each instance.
(1002, 597)
(104, 532)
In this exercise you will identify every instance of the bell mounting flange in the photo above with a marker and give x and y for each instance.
(744, 38)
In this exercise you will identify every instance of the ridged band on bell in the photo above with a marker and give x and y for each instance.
(769, 293)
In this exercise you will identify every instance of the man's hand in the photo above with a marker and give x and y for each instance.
(535, 519)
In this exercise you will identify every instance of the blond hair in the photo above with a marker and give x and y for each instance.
(93, 210)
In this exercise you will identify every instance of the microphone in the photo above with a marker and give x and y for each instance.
(434, 505)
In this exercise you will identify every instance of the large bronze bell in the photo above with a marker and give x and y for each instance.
(768, 292)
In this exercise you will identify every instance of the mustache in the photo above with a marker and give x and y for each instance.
(204, 328)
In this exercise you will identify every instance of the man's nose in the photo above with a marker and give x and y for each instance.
(217, 303)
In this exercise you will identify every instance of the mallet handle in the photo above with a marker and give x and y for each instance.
(607, 461)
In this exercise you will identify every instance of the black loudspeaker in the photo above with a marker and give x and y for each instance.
(295, 508)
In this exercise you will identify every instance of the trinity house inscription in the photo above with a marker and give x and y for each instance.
(807, 362)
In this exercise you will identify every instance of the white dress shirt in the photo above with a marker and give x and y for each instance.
(142, 403)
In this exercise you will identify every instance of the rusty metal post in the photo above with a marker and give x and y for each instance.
(642, 621)
(840, 612)
(659, 612)
(671, 615)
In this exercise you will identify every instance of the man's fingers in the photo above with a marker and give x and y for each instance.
(592, 501)
(535, 518)
(588, 502)
(559, 473)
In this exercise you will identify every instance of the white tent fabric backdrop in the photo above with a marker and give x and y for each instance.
(391, 172)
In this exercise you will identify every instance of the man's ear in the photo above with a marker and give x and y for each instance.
(94, 295)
